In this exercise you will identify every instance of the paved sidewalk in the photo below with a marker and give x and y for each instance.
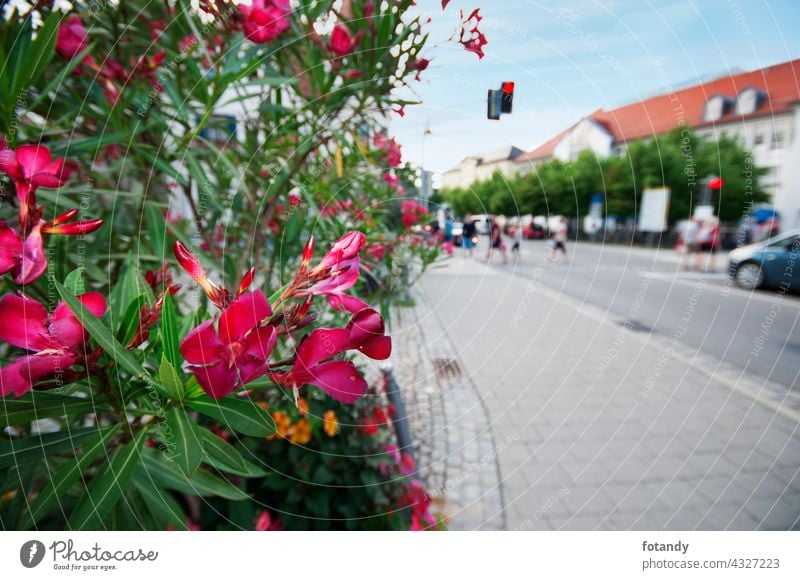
(584, 423)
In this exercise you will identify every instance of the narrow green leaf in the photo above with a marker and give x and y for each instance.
(41, 405)
(202, 484)
(37, 447)
(185, 439)
(239, 415)
(100, 333)
(169, 332)
(107, 486)
(219, 450)
(170, 380)
(166, 511)
(61, 481)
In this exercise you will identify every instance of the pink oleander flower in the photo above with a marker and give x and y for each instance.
(411, 211)
(390, 148)
(368, 335)
(342, 42)
(338, 378)
(236, 352)
(295, 199)
(265, 20)
(338, 270)
(24, 260)
(472, 39)
(56, 341)
(72, 38)
(30, 167)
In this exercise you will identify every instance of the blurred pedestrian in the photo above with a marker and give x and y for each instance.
(516, 249)
(496, 241)
(559, 240)
(468, 235)
(690, 233)
(708, 239)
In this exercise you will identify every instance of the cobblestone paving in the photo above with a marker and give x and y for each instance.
(454, 446)
(563, 419)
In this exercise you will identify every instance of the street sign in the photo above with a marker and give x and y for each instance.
(654, 210)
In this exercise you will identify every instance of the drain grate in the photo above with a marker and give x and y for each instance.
(636, 326)
(447, 368)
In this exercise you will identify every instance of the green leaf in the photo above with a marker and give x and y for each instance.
(170, 380)
(38, 405)
(239, 415)
(38, 447)
(74, 281)
(107, 486)
(185, 440)
(59, 484)
(130, 322)
(100, 333)
(166, 511)
(202, 484)
(156, 230)
(169, 332)
(219, 450)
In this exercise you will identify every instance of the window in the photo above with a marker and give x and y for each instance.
(777, 140)
(758, 139)
(716, 107)
(749, 100)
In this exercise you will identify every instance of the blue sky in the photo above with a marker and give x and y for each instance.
(569, 58)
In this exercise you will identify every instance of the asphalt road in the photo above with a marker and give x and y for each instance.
(757, 331)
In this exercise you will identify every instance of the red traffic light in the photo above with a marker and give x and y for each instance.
(716, 183)
(508, 88)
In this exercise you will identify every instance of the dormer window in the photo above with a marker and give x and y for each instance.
(716, 107)
(749, 100)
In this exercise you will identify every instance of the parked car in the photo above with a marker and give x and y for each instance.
(773, 263)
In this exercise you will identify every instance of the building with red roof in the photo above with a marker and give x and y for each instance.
(760, 108)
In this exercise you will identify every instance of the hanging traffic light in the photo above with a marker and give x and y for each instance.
(500, 102)
(507, 98)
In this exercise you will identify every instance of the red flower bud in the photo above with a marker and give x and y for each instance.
(74, 229)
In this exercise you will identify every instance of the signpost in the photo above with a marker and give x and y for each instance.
(654, 210)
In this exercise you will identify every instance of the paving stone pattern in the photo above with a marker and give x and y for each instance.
(562, 420)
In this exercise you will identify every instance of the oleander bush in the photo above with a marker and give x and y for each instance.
(204, 227)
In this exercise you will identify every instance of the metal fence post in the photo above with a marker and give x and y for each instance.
(400, 420)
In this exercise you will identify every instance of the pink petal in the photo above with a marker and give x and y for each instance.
(20, 376)
(34, 261)
(32, 159)
(217, 380)
(65, 329)
(9, 165)
(340, 380)
(23, 323)
(10, 249)
(366, 324)
(379, 348)
(201, 346)
(346, 303)
(260, 343)
(242, 316)
(322, 343)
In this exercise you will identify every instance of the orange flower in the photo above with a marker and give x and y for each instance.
(283, 423)
(331, 424)
(300, 432)
(302, 406)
